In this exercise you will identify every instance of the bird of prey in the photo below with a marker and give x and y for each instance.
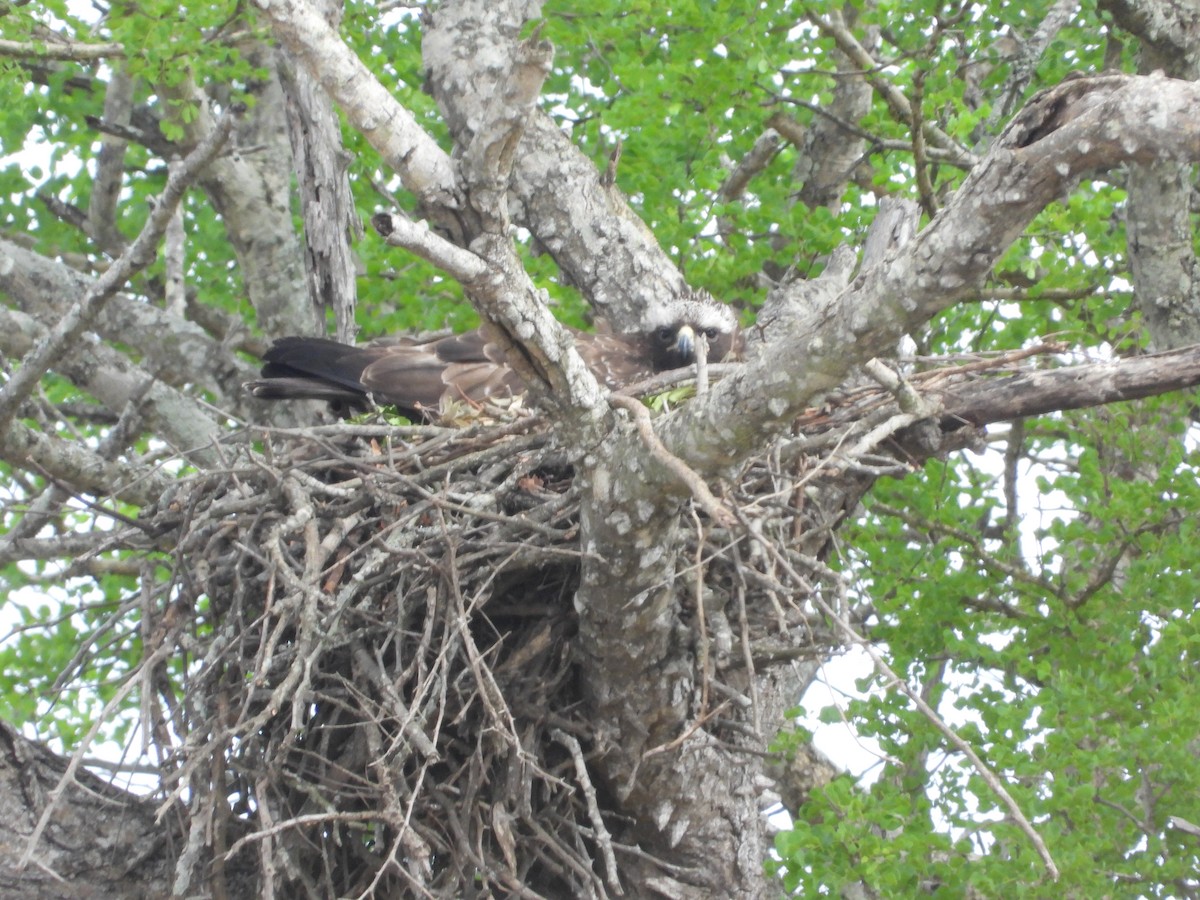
(418, 376)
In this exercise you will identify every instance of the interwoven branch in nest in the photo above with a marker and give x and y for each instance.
(375, 627)
(382, 662)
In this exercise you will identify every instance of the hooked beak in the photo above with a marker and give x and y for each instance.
(685, 343)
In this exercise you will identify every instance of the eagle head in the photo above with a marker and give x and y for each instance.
(675, 330)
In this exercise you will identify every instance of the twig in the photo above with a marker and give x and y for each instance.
(701, 366)
(747, 646)
(603, 838)
(699, 723)
(311, 818)
(834, 26)
(702, 640)
(165, 649)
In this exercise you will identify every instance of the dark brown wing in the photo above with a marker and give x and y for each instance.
(418, 376)
(411, 374)
(462, 367)
(312, 369)
(616, 359)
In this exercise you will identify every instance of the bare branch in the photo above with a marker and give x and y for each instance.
(1001, 398)
(60, 49)
(589, 792)
(833, 26)
(174, 353)
(419, 239)
(110, 164)
(331, 222)
(76, 465)
(140, 254)
(764, 150)
(694, 483)
(597, 240)
(1057, 17)
(175, 262)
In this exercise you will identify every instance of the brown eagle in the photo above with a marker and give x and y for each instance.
(417, 376)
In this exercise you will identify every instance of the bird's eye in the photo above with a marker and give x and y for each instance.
(710, 333)
(666, 335)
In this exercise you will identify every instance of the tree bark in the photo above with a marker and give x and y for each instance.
(369, 664)
(102, 841)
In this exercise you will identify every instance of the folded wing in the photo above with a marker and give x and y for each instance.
(418, 376)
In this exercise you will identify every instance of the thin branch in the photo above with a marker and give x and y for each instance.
(765, 148)
(420, 240)
(61, 49)
(131, 682)
(1024, 66)
(175, 260)
(900, 106)
(603, 838)
(139, 255)
(794, 133)
(920, 157)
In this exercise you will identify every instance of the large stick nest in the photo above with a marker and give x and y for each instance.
(375, 628)
(378, 627)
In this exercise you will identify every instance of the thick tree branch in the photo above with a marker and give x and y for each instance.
(1171, 30)
(110, 377)
(74, 464)
(599, 243)
(173, 350)
(812, 342)
(1158, 222)
(421, 241)
(79, 859)
(110, 163)
(60, 49)
(250, 187)
(832, 144)
(535, 344)
(331, 222)
(1081, 127)
(765, 148)
(1002, 398)
(424, 167)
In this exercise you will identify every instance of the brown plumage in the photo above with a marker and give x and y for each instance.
(418, 376)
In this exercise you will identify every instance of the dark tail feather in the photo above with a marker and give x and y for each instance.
(300, 368)
(317, 358)
(300, 388)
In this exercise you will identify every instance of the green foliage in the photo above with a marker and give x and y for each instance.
(65, 617)
(668, 399)
(1073, 673)
(1070, 685)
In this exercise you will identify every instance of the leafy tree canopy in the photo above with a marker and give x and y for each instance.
(1037, 592)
